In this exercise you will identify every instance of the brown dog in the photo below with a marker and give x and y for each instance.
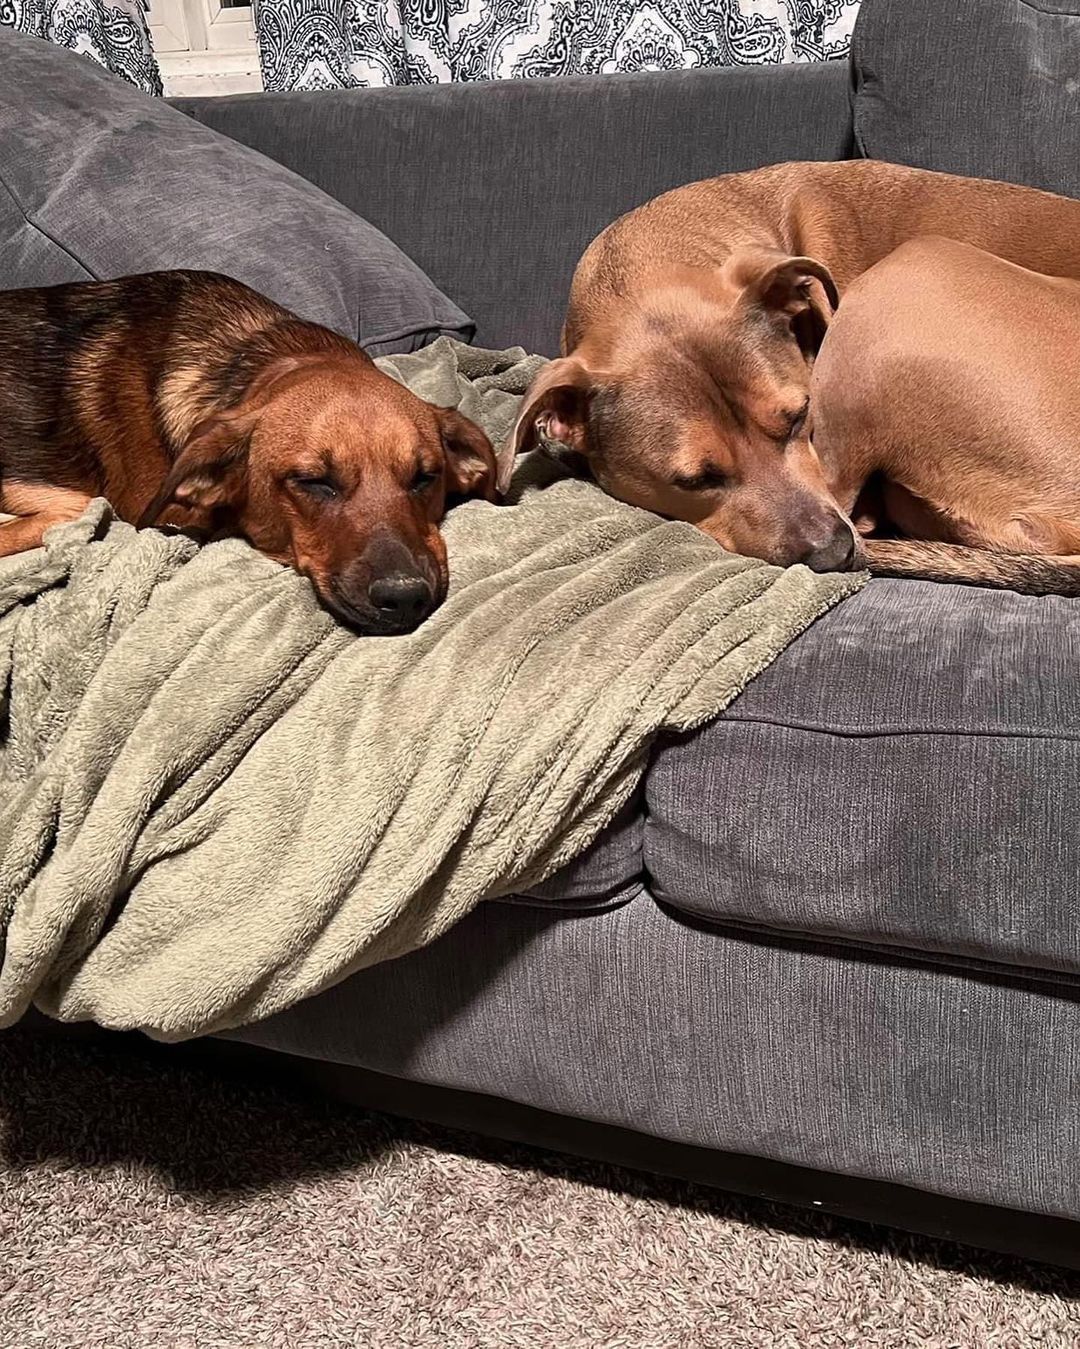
(693, 327)
(961, 426)
(186, 398)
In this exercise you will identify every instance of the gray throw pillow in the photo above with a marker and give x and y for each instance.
(986, 88)
(98, 180)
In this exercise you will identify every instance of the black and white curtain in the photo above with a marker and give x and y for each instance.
(112, 32)
(329, 44)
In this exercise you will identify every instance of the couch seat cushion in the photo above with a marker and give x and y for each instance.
(607, 873)
(98, 180)
(902, 776)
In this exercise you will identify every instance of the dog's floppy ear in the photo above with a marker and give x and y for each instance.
(801, 288)
(471, 469)
(210, 472)
(555, 407)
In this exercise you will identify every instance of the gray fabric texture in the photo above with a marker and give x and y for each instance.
(496, 189)
(608, 872)
(98, 180)
(903, 776)
(986, 88)
(943, 1079)
(224, 802)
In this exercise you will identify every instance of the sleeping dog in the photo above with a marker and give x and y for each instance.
(185, 398)
(690, 347)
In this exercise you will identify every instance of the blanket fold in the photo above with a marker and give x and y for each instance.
(214, 801)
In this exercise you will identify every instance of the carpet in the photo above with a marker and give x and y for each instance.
(146, 1200)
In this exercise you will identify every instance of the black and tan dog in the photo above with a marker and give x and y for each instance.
(186, 398)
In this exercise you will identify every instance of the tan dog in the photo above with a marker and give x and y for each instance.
(187, 398)
(695, 321)
(960, 425)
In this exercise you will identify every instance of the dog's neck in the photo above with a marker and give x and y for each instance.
(212, 372)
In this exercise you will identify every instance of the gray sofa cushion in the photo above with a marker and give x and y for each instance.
(607, 873)
(99, 180)
(865, 1066)
(902, 776)
(986, 88)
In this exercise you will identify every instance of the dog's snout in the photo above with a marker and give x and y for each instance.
(836, 553)
(401, 601)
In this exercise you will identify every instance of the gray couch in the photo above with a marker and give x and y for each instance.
(831, 954)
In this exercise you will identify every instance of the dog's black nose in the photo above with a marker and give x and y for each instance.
(836, 554)
(401, 601)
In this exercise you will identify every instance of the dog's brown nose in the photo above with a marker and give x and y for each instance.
(402, 602)
(836, 554)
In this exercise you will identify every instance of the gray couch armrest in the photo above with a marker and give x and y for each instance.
(496, 189)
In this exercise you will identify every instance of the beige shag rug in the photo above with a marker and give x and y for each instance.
(147, 1201)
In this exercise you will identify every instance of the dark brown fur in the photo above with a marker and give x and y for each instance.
(187, 398)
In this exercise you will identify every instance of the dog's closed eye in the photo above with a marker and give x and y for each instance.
(708, 478)
(323, 489)
(797, 419)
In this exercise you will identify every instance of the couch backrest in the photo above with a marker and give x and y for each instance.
(496, 189)
(987, 88)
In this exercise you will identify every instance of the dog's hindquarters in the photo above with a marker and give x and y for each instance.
(950, 380)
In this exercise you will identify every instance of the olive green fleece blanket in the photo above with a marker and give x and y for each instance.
(214, 801)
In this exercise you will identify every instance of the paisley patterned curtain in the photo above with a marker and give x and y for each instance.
(327, 44)
(112, 32)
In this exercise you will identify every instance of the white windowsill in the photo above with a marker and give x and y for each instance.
(210, 72)
(205, 46)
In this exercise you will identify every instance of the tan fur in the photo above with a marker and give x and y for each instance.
(183, 399)
(33, 509)
(680, 358)
(955, 377)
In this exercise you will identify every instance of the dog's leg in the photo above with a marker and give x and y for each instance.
(34, 510)
(1046, 534)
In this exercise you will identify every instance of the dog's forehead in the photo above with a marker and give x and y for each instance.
(656, 428)
(684, 366)
(663, 404)
(375, 415)
(700, 440)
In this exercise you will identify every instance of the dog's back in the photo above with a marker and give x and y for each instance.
(102, 381)
(847, 214)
